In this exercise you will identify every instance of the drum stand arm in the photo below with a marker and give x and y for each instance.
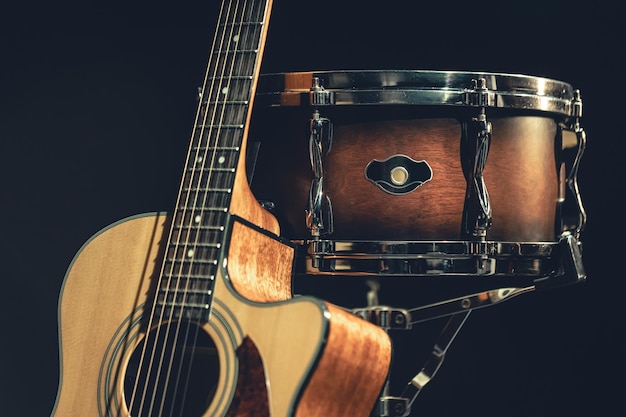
(401, 319)
(458, 309)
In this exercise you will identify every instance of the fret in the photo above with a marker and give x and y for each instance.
(180, 268)
(205, 149)
(205, 197)
(237, 51)
(218, 178)
(192, 245)
(256, 24)
(220, 126)
(189, 262)
(196, 282)
(237, 97)
(210, 209)
(200, 227)
(211, 171)
(193, 253)
(231, 64)
(235, 77)
(202, 205)
(218, 133)
(196, 219)
(193, 250)
(202, 194)
(199, 191)
(219, 80)
(228, 102)
(206, 140)
(195, 235)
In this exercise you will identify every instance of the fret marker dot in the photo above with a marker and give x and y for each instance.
(221, 159)
(225, 90)
(197, 219)
(199, 159)
(236, 38)
(190, 253)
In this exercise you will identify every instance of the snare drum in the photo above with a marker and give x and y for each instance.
(421, 172)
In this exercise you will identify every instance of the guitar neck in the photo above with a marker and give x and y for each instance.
(214, 159)
(225, 106)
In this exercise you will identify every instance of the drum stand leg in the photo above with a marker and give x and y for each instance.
(458, 309)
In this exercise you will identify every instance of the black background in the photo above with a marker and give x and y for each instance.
(97, 102)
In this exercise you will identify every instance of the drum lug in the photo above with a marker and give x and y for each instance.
(319, 219)
(573, 212)
(476, 141)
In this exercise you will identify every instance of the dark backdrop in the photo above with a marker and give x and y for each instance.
(97, 102)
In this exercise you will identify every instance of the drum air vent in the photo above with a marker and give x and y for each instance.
(398, 174)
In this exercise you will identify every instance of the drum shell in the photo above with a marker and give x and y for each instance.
(520, 174)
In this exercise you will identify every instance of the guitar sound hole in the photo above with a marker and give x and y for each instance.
(172, 372)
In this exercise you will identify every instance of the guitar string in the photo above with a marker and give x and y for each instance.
(221, 94)
(187, 245)
(200, 164)
(181, 215)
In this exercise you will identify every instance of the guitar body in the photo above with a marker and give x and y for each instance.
(192, 315)
(261, 353)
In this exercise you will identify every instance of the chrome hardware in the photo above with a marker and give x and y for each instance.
(458, 310)
(571, 270)
(418, 88)
(574, 215)
(466, 303)
(434, 362)
(432, 258)
(479, 94)
(577, 105)
(319, 213)
(398, 174)
(389, 406)
(319, 96)
(385, 317)
(476, 141)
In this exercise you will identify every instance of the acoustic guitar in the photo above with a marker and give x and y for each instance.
(192, 313)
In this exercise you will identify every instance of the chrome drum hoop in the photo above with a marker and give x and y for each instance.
(432, 258)
(416, 87)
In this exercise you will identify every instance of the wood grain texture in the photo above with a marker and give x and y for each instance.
(303, 343)
(520, 175)
(350, 374)
(256, 273)
(103, 291)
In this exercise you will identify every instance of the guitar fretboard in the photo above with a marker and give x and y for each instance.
(194, 245)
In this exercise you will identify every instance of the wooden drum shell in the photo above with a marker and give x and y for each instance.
(520, 174)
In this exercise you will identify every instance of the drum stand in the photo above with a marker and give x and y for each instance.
(475, 254)
(458, 309)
